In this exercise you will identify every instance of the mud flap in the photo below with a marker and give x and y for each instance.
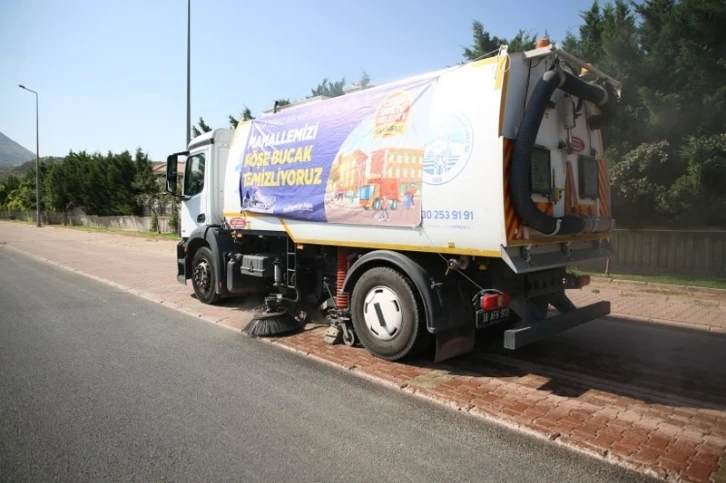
(454, 342)
(181, 271)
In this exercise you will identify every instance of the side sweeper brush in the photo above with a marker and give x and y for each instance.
(275, 319)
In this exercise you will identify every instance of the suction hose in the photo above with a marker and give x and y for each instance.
(519, 186)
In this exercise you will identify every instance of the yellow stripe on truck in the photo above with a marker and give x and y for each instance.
(393, 246)
(374, 246)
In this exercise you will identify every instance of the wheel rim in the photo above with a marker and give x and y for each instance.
(382, 313)
(203, 276)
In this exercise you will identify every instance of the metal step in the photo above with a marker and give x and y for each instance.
(291, 264)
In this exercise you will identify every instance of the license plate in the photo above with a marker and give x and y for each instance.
(489, 317)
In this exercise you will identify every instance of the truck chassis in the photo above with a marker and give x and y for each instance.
(396, 304)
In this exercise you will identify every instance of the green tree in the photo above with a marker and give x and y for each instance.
(150, 189)
(665, 147)
(76, 173)
(324, 88)
(7, 187)
(698, 197)
(23, 197)
(246, 116)
(55, 188)
(203, 127)
(329, 89)
(119, 173)
(486, 44)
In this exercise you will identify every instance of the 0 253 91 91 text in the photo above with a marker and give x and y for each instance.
(447, 214)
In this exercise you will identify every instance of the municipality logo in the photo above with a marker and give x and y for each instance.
(448, 148)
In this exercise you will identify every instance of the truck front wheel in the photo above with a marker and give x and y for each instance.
(386, 314)
(203, 277)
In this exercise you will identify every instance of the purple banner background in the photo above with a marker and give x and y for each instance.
(288, 156)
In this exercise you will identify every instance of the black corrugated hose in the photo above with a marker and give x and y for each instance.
(521, 166)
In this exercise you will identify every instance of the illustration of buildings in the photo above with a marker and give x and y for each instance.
(389, 172)
(402, 164)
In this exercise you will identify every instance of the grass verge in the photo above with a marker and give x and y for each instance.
(719, 283)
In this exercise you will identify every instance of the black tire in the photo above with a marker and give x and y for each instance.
(394, 204)
(411, 337)
(204, 279)
(377, 204)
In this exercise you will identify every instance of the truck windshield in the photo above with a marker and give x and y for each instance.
(194, 175)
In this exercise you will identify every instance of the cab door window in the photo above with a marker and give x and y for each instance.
(194, 175)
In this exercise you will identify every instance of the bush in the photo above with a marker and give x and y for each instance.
(174, 220)
(155, 222)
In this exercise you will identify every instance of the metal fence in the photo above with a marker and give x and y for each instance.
(700, 253)
(128, 223)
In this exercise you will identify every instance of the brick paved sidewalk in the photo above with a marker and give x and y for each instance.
(666, 435)
(675, 306)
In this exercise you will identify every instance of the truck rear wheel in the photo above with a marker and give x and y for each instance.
(386, 314)
(203, 278)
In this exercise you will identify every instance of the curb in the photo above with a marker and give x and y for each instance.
(669, 323)
(663, 286)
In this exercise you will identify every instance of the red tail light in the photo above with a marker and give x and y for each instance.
(494, 301)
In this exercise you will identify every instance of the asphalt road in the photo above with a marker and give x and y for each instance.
(99, 385)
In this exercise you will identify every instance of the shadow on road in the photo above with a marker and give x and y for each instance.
(652, 363)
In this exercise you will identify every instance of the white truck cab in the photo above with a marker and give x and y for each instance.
(203, 187)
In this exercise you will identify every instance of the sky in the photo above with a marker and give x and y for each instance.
(111, 75)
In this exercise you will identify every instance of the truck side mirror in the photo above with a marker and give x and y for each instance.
(171, 173)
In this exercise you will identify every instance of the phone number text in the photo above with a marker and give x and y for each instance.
(448, 215)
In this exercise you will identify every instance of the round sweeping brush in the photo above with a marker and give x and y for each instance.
(270, 324)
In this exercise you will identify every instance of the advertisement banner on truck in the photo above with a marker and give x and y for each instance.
(355, 159)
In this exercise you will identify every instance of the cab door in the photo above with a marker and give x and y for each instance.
(195, 187)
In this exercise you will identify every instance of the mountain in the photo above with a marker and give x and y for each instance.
(12, 153)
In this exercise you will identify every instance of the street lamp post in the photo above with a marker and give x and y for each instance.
(189, 48)
(189, 92)
(37, 157)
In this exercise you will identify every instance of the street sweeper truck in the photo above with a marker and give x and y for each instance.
(411, 213)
